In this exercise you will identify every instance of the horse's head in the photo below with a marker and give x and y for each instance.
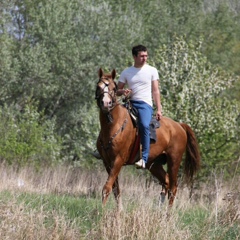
(106, 91)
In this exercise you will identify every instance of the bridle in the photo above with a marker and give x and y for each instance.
(111, 93)
(103, 85)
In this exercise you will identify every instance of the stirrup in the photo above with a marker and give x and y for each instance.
(96, 154)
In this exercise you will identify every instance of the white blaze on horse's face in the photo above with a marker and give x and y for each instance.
(106, 101)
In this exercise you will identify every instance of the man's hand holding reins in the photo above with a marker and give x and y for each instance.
(159, 115)
(125, 91)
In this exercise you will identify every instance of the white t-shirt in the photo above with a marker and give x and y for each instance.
(139, 80)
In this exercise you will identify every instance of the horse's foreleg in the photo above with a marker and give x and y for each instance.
(112, 182)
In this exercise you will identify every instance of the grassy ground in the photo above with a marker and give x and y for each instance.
(65, 203)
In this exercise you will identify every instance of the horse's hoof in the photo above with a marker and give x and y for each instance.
(105, 195)
(162, 197)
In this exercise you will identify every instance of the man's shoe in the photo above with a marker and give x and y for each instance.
(140, 164)
(96, 154)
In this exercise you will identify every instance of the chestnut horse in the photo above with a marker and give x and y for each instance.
(117, 138)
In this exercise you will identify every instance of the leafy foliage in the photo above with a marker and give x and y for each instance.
(27, 138)
(51, 51)
(193, 92)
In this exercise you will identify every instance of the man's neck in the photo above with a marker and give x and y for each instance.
(139, 65)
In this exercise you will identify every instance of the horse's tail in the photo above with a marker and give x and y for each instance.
(192, 161)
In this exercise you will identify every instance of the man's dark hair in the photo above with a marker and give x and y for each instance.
(137, 49)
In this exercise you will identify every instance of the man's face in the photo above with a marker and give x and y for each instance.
(140, 59)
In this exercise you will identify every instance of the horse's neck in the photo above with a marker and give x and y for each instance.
(113, 119)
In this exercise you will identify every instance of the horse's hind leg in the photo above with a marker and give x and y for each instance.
(173, 167)
(117, 195)
(157, 171)
(163, 194)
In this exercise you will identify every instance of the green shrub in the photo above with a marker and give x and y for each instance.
(26, 137)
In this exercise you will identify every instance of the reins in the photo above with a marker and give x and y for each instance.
(114, 135)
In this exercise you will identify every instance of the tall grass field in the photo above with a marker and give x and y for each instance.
(65, 203)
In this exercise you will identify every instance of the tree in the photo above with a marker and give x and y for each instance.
(51, 51)
(58, 46)
(193, 91)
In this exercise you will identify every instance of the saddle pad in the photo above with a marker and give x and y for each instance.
(154, 124)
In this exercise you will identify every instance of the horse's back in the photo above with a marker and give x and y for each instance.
(170, 129)
(170, 135)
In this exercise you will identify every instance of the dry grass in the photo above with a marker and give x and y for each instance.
(17, 222)
(212, 213)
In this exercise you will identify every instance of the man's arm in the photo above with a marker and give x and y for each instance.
(156, 99)
(121, 91)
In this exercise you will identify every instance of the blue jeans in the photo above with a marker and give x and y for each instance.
(145, 112)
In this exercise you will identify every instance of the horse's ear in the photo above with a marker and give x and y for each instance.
(100, 72)
(113, 74)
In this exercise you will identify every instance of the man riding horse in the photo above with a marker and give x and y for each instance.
(142, 81)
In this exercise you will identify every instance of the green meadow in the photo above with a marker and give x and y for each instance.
(65, 203)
